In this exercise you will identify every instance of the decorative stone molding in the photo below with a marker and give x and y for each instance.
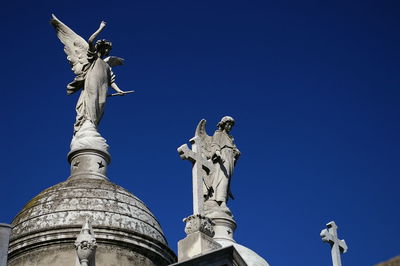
(199, 239)
(85, 245)
(199, 223)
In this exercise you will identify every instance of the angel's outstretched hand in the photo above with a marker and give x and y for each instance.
(103, 24)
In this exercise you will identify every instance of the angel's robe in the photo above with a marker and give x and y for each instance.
(221, 178)
(95, 80)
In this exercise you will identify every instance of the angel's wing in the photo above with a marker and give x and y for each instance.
(201, 132)
(113, 61)
(75, 46)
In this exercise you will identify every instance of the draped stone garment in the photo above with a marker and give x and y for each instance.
(92, 100)
(221, 178)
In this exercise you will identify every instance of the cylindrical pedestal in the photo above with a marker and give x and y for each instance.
(5, 230)
(90, 163)
(224, 228)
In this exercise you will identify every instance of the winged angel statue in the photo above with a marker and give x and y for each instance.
(93, 72)
(222, 151)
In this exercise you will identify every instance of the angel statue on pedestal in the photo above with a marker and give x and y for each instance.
(93, 77)
(222, 151)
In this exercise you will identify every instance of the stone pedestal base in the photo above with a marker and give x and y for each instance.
(222, 218)
(199, 230)
(89, 163)
(194, 245)
(227, 256)
(224, 227)
(88, 137)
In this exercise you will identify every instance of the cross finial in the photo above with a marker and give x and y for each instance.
(337, 246)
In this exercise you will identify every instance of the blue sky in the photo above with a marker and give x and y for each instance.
(313, 86)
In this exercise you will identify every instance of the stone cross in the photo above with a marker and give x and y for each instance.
(337, 246)
(200, 165)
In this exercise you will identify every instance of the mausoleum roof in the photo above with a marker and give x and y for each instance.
(249, 256)
(117, 216)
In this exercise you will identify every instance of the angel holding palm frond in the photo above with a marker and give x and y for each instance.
(92, 69)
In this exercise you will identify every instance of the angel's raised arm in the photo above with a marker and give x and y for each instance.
(96, 33)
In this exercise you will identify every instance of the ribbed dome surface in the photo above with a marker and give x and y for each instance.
(68, 202)
(117, 216)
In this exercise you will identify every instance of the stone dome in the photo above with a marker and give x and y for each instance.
(249, 256)
(126, 231)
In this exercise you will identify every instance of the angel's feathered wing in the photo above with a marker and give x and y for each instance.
(205, 145)
(75, 46)
(113, 61)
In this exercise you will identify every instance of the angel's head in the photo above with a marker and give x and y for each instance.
(226, 123)
(103, 47)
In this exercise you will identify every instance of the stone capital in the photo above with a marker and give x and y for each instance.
(199, 223)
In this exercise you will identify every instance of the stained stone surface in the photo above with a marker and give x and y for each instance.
(392, 262)
(195, 244)
(249, 256)
(227, 256)
(119, 219)
(5, 230)
(62, 254)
